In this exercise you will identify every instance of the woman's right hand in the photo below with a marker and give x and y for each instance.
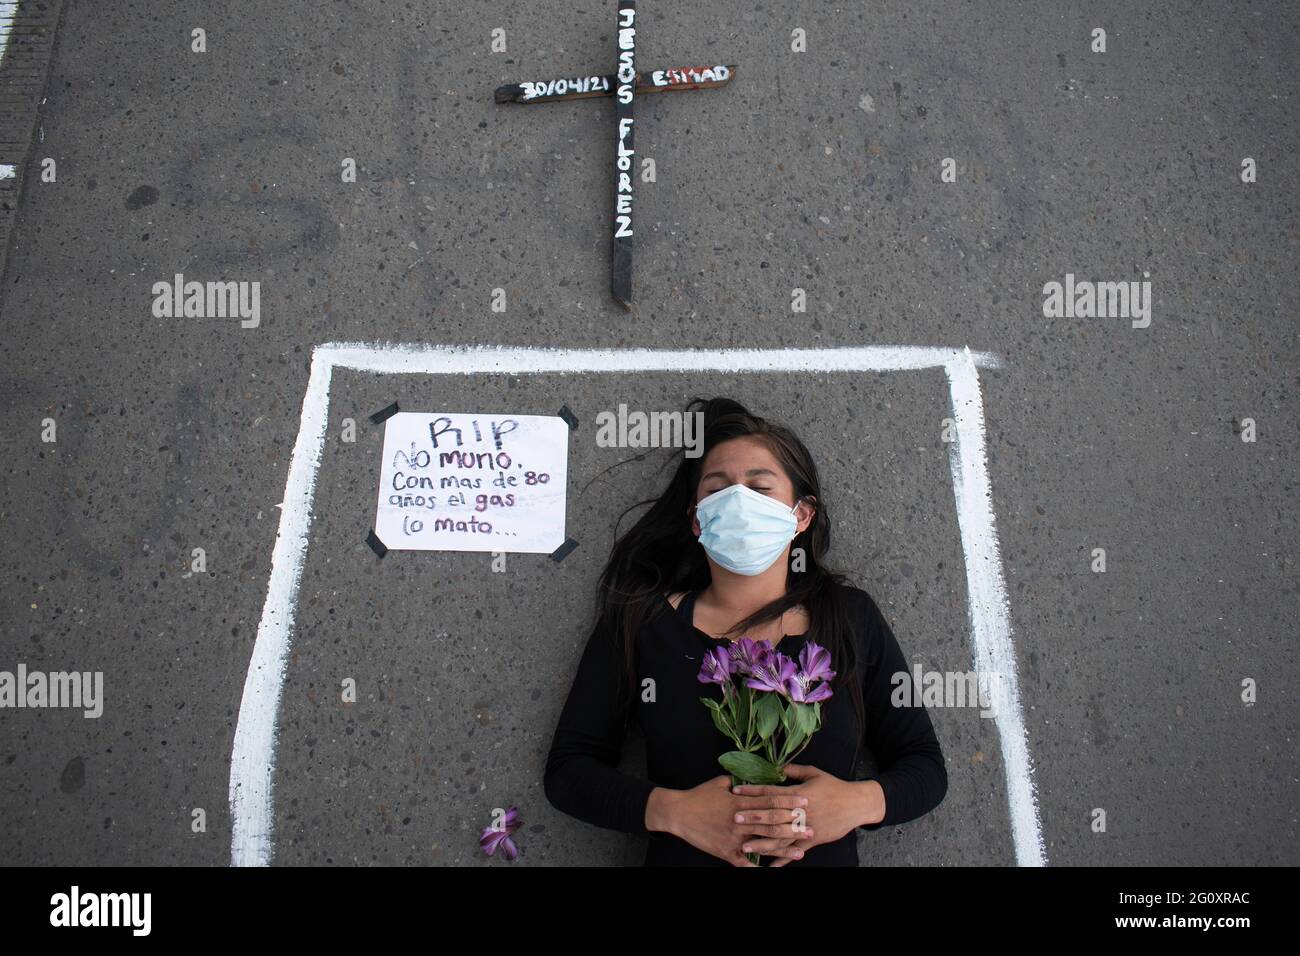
(705, 817)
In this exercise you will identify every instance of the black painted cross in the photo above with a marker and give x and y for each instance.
(624, 85)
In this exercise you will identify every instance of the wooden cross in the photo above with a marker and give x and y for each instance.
(623, 85)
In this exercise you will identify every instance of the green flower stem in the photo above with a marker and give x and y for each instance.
(751, 857)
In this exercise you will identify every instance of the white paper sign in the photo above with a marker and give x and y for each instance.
(473, 482)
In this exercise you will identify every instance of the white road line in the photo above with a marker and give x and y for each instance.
(992, 650)
(8, 10)
(450, 359)
(252, 765)
(252, 761)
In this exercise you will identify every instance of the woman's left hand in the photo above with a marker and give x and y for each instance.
(834, 808)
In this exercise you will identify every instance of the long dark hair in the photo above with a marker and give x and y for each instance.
(659, 554)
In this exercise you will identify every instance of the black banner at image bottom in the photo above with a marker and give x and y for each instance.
(216, 905)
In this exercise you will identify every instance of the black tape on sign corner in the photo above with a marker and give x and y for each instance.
(567, 414)
(376, 545)
(563, 551)
(381, 416)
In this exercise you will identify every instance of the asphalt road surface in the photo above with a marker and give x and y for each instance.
(920, 170)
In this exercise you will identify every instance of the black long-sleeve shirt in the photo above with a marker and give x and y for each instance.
(682, 744)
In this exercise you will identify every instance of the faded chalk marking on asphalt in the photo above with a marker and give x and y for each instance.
(252, 764)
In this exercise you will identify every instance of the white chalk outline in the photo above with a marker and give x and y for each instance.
(8, 10)
(252, 760)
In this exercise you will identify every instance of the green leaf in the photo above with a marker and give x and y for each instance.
(742, 703)
(751, 768)
(805, 719)
(767, 714)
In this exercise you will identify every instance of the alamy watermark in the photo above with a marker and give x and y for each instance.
(1085, 299)
(77, 689)
(946, 689)
(76, 908)
(624, 429)
(208, 300)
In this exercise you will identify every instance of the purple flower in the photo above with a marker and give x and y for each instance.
(716, 667)
(492, 837)
(746, 654)
(796, 688)
(772, 672)
(815, 662)
(814, 666)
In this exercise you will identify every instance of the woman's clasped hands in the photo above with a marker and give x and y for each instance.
(783, 822)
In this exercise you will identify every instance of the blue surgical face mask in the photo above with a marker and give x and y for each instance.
(745, 531)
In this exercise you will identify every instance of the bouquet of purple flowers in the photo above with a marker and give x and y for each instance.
(770, 706)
